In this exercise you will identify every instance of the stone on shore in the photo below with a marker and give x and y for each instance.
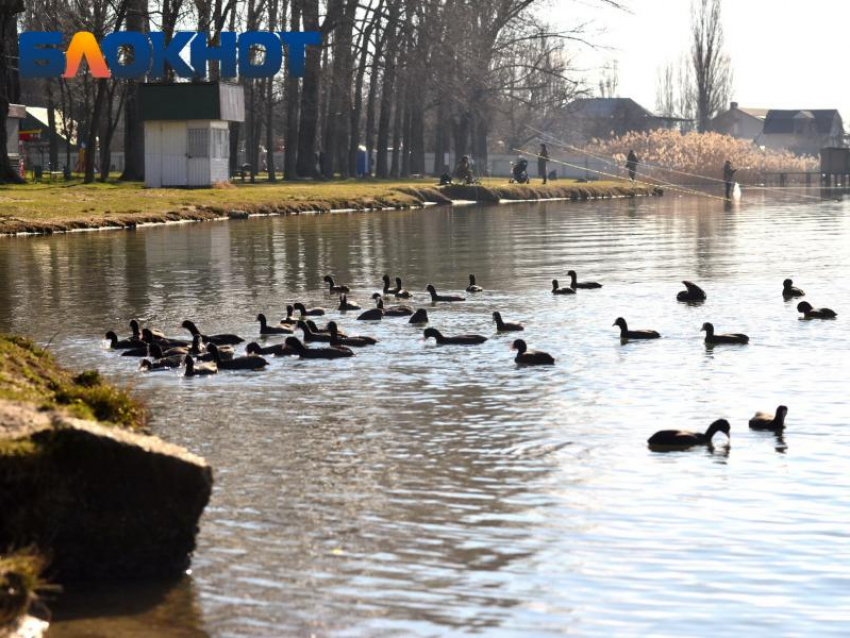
(99, 502)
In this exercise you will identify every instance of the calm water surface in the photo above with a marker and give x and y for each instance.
(418, 490)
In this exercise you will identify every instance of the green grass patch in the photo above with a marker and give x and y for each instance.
(29, 373)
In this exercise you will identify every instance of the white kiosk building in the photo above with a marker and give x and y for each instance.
(187, 132)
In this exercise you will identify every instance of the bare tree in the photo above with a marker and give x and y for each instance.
(711, 66)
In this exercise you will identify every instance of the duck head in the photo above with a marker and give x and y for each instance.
(721, 425)
(111, 337)
(554, 284)
(572, 275)
(472, 280)
(788, 283)
(707, 328)
(289, 311)
(262, 319)
(253, 348)
(519, 345)
(430, 288)
(621, 324)
(134, 326)
(497, 316)
(190, 326)
(805, 307)
(432, 332)
(332, 328)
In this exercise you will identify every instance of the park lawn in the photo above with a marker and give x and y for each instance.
(61, 206)
(77, 200)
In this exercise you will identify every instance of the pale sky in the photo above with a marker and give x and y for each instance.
(785, 53)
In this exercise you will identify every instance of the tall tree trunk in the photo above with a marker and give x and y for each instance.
(10, 87)
(134, 128)
(417, 133)
(53, 142)
(370, 106)
(91, 135)
(387, 90)
(406, 124)
(306, 162)
(270, 138)
(357, 107)
(440, 139)
(291, 103)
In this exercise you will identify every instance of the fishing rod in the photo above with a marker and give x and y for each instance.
(679, 189)
(556, 142)
(662, 182)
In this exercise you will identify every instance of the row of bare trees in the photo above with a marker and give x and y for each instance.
(398, 77)
(698, 86)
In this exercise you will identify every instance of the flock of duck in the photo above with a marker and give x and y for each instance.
(206, 354)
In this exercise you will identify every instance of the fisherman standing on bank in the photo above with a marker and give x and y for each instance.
(631, 164)
(542, 163)
(729, 178)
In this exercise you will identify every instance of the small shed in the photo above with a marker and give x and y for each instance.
(187, 132)
(15, 116)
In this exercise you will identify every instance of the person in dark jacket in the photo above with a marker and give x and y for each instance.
(632, 164)
(542, 163)
(463, 170)
(729, 178)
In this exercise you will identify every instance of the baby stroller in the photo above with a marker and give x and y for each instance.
(520, 172)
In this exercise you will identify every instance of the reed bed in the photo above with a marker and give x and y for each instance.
(698, 157)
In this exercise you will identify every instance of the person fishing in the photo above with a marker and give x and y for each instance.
(729, 177)
(542, 163)
(632, 164)
(463, 170)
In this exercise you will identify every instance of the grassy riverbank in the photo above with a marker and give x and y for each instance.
(46, 208)
(29, 374)
(30, 380)
(83, 484)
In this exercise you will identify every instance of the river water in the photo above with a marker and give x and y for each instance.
(424, 490)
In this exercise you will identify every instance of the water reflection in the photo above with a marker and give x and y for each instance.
(142, 609)
(425, 490)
